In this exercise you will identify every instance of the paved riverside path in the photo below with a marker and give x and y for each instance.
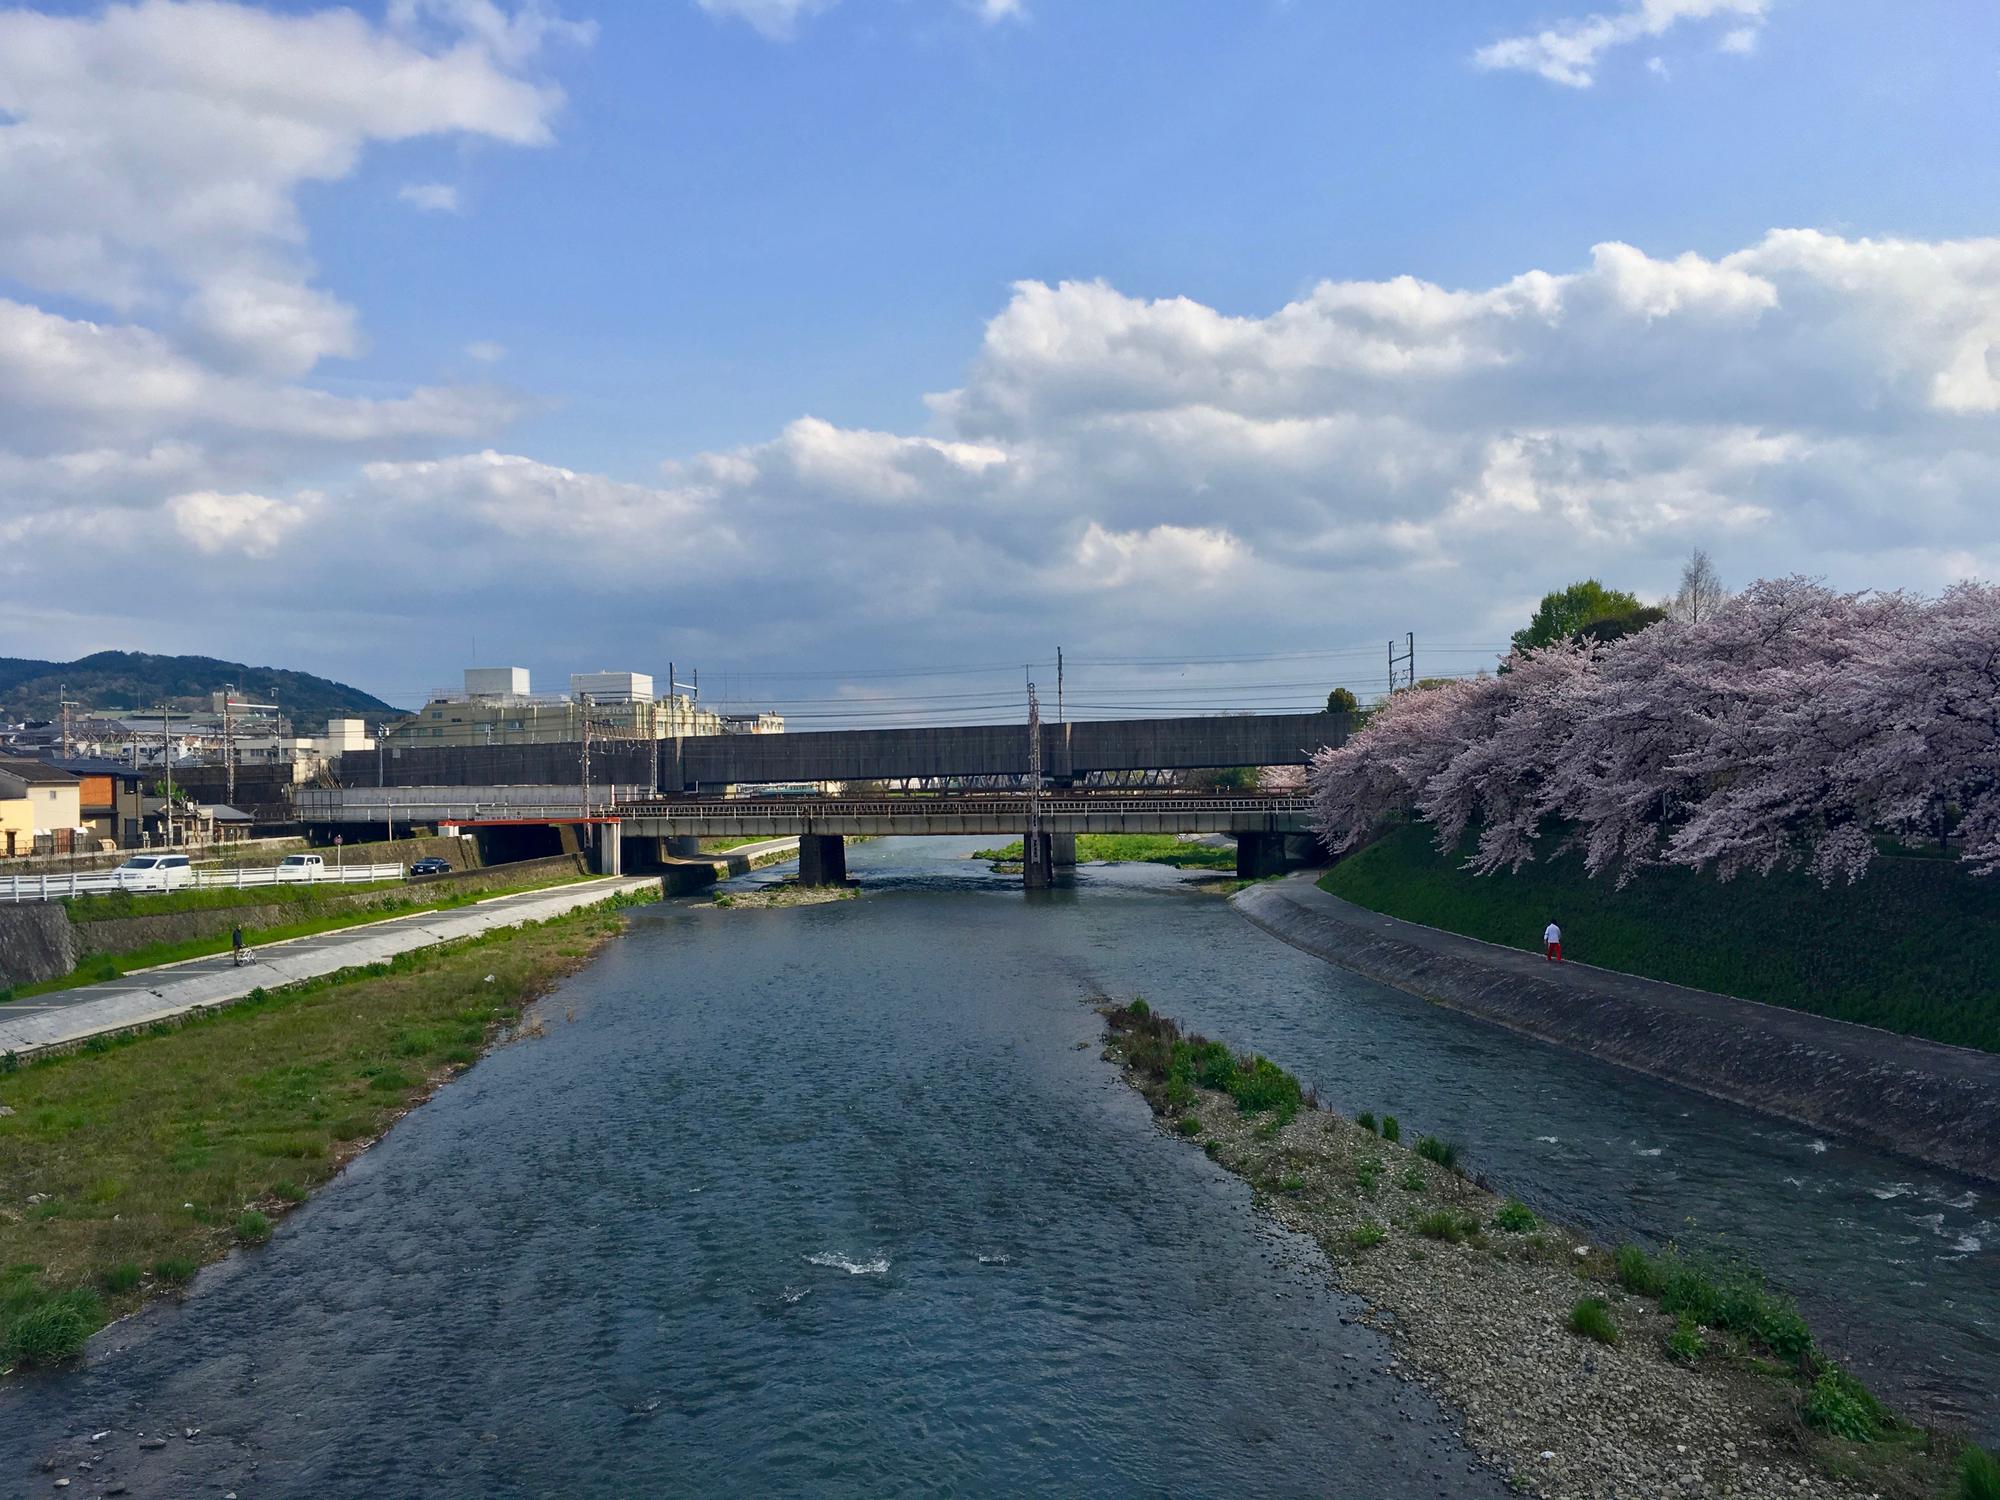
(65, 1017)
(1923, 1099)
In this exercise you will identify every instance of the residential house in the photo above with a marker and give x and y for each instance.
(40, 808)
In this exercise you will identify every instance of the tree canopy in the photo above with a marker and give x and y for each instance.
(1568, 614)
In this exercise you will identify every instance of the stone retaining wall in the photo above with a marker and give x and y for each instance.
(1920, 1099)
(36, 943)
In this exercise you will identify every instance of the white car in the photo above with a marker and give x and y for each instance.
(301, 867)
(154, 872)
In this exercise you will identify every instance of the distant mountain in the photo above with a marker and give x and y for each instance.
(131, 679)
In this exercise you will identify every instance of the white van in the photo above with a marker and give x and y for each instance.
(301, 867)
(154, 872)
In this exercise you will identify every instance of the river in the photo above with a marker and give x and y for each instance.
(841, 1201)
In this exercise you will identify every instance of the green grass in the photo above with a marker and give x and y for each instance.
(1444, 1153)
(103, 966)
(1367, 1235)
(1448, 1224)
(1516, 1218)
(1840, 1405)
(1392, 1128)
(1685, 1345)
(1188, 1125)
(239, 1113)
(1129, 848)
(1591, 1318)
(1978, 1475)
(108, 905)
(1914, 947)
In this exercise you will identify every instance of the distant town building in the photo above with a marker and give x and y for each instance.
(40, 809)
(497, 707)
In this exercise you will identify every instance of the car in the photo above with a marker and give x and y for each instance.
(431, 865)
(154, 872)
(301, 867)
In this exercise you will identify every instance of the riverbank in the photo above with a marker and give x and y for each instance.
(1913, 947)
(1931, 1103)
(1578, 1379)
(131, 1163)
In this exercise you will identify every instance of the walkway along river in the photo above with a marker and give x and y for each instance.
(841, 1201)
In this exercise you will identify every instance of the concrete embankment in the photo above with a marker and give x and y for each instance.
(1934, 1103)
(687, 873)
(67, 1017)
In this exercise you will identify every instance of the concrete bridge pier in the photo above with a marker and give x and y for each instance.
(1063, 850)
(822, 859)
(1038, 860)
(682, 846)
(1259, 855)
(610, 849)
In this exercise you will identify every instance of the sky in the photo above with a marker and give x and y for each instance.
(858, 352)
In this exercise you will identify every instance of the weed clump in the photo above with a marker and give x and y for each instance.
(1638, 1272)
(120, 1279)
(175, 1270)
(1444, 1153)
(1413, 1180)
(1291, 1182)
(1978, 1475)
(1839, 1404)
(252, 1227)
(40, 1329)
(1367, 1173)
(1366, 1235)
(1449, 1225)
(1517, 1218)
(1685, 1344)
(1591, 1318)
(1188, 1125)
(1366, 1121)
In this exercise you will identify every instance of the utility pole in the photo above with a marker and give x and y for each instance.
(1407, 659)
(64, 712)
(167, 759)
(583, 707)
(228, 745)
(1033, 872)
(1059, 687)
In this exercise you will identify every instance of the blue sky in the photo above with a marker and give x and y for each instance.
(522, 346)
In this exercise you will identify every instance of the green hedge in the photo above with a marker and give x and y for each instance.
(1914, 947)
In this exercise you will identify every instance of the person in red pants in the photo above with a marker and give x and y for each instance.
(1552, 943)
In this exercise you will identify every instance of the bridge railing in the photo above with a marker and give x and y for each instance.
(670, 808)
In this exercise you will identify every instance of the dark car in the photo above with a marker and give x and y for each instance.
(431, 866)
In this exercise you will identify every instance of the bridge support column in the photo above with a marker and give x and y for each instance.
(682, 846)
(1038, 861)
(822, 859)
(1062, 848)
(610, 849)
(1259, 855)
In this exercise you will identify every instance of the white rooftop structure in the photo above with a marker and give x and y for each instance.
(496, 682)
(613, 687)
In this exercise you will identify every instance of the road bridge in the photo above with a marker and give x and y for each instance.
(637, 827)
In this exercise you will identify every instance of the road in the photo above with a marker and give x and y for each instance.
(65, 1017)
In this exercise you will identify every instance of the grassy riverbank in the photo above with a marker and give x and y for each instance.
(1914, 947)
(1134, 848)
(126, 1166)
(1579, 1371)
(313, 919)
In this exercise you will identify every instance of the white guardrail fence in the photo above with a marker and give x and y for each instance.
(150, 882)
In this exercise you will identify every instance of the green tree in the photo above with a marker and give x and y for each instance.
(1571, 612)
(1341, 701)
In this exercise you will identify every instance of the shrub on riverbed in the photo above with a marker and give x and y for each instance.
(1366, 1235)
(1840, 1405)
(1188, 1125)
(175, 1270)
(1366, 1121)
(1444, 1153)
(1414, 1180)
(252, 1227)
(1367, 1174)
(1449, 1225)
(1516, 1217)
(1685, 1344)
(1638, 1272)
(1978, 1475)
(120, 1279)
(1591, 1318)
(39, 1328)
(1392, 1129)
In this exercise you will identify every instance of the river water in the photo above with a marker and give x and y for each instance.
(841, 1201)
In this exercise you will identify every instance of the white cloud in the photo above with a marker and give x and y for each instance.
(486, 351)
(152, 153)
(992, 12)
(776, 19)
(251, 524)
(1373, 456)
(429, 197)
(1570, 52)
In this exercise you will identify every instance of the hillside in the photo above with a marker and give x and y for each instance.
(131, 679)
(1914, 947)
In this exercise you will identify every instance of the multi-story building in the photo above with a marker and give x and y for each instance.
(498, 708)
(40, 808)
